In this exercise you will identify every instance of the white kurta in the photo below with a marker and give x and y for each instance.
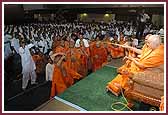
(77, 44)
(15, 44)
(45, 46)
(7, 49)
(41, 45)
(28, 65)
(49, 71)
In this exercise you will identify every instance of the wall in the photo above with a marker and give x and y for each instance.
(96, 17)
(13, 14)
(33, 6)
(158, 20)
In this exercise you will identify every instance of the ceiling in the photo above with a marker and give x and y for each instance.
(71, 6)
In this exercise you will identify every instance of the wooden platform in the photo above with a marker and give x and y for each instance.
(58, 104)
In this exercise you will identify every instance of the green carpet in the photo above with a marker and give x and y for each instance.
(90, 92)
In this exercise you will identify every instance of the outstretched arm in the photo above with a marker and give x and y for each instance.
(140, 65)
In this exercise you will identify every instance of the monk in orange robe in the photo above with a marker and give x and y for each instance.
(62, 75)
(58, 82)
(83, 59)
(114, 49)
(73, 58)
(152, 56)
(98, 56)
(92, 44)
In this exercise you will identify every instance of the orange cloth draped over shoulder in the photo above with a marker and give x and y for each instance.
(72, 60)
(98, 57)
(83, 61)
(70, 75)
(149, 58)
(63, 77)
(58, 83)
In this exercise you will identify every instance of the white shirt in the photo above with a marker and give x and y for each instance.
(28, 64)
(7, 49)
(49, 71)
(15, 44)
(144, 17)
(161, 31)
(77, 44)
(50, 41)
(41, 44)
(127, 33)
(45, 46)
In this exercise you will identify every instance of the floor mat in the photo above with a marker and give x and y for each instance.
(90, 93)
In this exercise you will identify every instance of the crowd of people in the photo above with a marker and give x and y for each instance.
(68, 52)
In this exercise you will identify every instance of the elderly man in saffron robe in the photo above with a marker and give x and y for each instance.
(151, 56)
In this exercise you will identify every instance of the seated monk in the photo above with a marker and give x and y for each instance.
(114, 49)
(152, 57)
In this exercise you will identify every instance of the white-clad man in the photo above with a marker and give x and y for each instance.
(77, 44)
(41, 45)
(15, 44)
(49, 70)
(7, 49)
(28, 65)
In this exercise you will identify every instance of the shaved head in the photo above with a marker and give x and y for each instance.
(153, 41)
